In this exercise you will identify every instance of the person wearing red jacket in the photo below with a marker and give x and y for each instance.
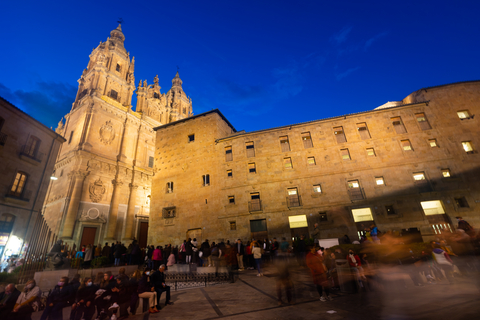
(319, 273)
(355, 264)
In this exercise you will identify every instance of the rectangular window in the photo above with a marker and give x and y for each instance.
(307, 140)
(406, 145)
(18, 184)
(339, 134)
(150, 162)
(231, 199)
(113, 94)
(170, 187)
(255, 204)
(363, 130)
(206, 180)
(317, 188)
(323, 216)
(461, 202)
(191, 138)
(362, 214)
(298, 221)
(250, 149)
(370, 152)
(398, 125)
(464, 114)
(71, 136)
(433, 143)
(287, 163)
(169, 212)
(379, 181)
(345, 154)
(229, 174)
(419, 176)
(252, 168)
(311, 161)
(446, 173)
(467, 146)
(422, 121)
(432, 207)
(354, 190)
(32, 146)
(293, 199)
(118, 68)
(390, 210)
(228, 154)
(233, 225)
(284, 144)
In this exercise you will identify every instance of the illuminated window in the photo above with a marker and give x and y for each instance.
(398, 125)
(339, 134)
(228, 154)
(446, 173)
(422, 121)
(371, 152)
(231, 199)
(233, 225)
(317, 188)
(467, 146)
(362, 214)
(432, 207)
(311, 161)
(363, 131)
(353, 184)
(419, 176)
(307, 140)
(229, 173)
(433, 143)
(191, 138)
(252, 168)
(18, 184)
(206, 180)
(345, 154)
(284, 144)
(298, 221)
(379, 181)
(464, 114)
(250, 149)
(287, 163)
(293, 198)
(354, 190)
(170, 187)
(406, 145)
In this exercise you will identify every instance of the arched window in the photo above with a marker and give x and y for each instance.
(18, 184)
(6, 223)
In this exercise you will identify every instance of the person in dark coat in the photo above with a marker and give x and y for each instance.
(146, 290)
(117, 254)
(121, 296)
(8, 298)
(106, 250)
(104, 291)
(188, 251)
(75, 283)
(158, 282)
(58, 299)
(84, 306)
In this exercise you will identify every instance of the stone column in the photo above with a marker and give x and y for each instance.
(77, 177)
(129, 221)
(112, 215)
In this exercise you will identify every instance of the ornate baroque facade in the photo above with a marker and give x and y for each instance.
(409, 166)
(106, 166)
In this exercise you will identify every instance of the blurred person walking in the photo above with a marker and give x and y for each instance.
(319, 273)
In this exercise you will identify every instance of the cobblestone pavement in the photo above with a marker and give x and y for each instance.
(255, 297)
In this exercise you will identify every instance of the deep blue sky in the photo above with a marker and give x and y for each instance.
(262, 63)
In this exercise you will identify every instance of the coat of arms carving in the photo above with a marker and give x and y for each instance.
(107, 133)
(97, 190)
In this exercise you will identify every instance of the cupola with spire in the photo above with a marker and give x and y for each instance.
(177, 82)
(117, 35)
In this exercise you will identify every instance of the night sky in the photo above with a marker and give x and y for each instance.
(262, 63)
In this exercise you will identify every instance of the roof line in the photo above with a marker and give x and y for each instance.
(197, 116)
(448, 84)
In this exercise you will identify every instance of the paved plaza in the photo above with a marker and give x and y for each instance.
(252, 297)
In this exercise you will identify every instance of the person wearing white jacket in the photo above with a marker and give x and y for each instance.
(257, 255)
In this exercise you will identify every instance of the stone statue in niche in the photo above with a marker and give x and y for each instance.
(97, 190)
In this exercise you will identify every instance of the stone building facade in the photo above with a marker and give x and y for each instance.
(409, 166)
(28, 150)
(106, 166)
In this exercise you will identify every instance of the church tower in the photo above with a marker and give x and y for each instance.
(105, 168)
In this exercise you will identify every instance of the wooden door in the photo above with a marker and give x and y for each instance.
(142, 234)
(88, 236)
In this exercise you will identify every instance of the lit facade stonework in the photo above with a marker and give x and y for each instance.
(412, 164)
(105, 168)
(28, 150)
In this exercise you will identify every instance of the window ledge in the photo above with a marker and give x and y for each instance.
(393, 216)
(16, 200)
(317, 194)
(29, 159)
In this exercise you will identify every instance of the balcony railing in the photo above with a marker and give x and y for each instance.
(3, 138)
(255, 205)
(356, 194)
(37, 156)
(294, 201)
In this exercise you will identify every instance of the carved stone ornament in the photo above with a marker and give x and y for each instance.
(107, 133)
(97, 190)
(93, 214)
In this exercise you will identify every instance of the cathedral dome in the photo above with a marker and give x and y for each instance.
(117, 34)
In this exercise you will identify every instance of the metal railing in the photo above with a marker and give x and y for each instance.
(356, 194)
(37, 156)
(180, 281)
(255, 205)
(294, 201)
